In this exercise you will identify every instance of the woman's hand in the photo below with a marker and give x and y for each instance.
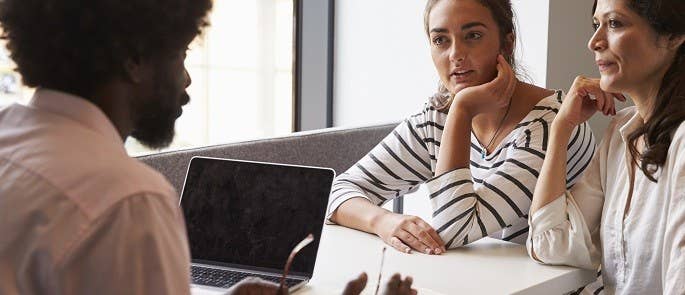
(404, 232)
(582, 101)
(494, 94)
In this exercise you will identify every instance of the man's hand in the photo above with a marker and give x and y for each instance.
(256, 286)
(395, 286)
(356, 286)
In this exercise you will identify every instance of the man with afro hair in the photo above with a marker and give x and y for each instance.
(77, 215)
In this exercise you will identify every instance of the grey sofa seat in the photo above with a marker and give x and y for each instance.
(337, 148)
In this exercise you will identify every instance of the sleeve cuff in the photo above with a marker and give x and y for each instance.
(549, 216)
(338, 200)
(436, 183)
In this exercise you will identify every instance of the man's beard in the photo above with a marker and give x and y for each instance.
(155, 131)
(156, 119)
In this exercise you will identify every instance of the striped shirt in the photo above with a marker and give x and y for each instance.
(490, 198)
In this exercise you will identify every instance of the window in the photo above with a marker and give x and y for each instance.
(11, 89)
(242, 77)
(241, 71)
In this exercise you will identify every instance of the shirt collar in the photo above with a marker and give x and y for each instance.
(631, 125)
(76, 108)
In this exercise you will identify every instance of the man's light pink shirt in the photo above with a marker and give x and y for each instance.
(77, 214)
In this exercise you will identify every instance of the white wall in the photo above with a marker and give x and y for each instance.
(383, 71)
(568, 56)
(532, 19)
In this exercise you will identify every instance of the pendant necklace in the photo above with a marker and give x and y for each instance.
(499, 128)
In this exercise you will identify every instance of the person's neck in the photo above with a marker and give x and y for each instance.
(492, 120)
(644, 98)
(114, 100)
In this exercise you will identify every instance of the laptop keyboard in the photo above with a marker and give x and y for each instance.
(223, 278)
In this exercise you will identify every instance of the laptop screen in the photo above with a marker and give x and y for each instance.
(252, 214)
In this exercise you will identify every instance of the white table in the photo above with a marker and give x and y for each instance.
(488, 266)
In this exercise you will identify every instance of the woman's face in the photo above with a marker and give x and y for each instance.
(630, 55)
(465, 42)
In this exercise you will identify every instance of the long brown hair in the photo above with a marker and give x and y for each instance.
(503, 14)
(666, 17)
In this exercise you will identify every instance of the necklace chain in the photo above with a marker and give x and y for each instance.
(499, 128)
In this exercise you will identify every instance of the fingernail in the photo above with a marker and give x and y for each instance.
(438, 251)
(428, 251)
(407, 250)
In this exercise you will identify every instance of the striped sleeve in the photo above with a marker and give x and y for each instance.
(396, 166)
(581, 148)
(466, 209)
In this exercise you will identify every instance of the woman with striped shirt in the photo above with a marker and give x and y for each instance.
(478, 145)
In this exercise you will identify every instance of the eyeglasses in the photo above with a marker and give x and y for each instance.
(380, 271)
(294, 252)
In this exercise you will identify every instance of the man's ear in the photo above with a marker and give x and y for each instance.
(676, 41)
(134, 70)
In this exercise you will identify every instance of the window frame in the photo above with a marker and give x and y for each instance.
(313, 64)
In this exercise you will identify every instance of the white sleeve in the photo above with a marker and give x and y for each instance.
(559, 235)
(139, 247)
(566, 231)
(673, 265)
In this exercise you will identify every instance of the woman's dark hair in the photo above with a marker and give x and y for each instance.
(78, 45)
(503, 14)
(666, 17)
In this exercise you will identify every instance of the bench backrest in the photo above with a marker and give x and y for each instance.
(337, 148)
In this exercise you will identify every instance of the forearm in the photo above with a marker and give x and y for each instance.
(455, 143)
(552, 181)
(359, 213)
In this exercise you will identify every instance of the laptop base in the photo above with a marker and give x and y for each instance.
(225, 278)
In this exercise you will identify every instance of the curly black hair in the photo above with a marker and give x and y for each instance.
(79, 45)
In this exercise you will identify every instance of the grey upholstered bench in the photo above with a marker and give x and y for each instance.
(337, 148)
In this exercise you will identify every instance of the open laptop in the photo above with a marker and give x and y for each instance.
(243, 219)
